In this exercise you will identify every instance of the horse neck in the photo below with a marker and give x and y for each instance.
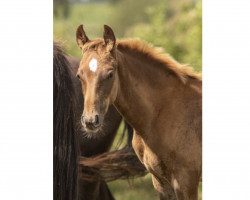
(142, 89)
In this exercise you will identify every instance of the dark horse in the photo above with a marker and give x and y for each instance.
(69, 140)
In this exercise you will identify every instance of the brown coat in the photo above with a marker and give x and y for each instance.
(160, 98)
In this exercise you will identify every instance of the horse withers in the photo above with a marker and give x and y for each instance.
(160, 98)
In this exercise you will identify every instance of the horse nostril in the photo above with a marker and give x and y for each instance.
(96, 119)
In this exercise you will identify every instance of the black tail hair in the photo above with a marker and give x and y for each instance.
(65, 150)
(110, 166)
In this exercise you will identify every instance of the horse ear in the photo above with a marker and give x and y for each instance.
(109, 38)
(81, 37)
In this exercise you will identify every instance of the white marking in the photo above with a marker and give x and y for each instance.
(93, 65)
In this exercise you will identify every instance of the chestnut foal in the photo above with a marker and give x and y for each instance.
(160, 98)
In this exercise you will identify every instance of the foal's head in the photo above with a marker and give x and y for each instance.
(98, 75)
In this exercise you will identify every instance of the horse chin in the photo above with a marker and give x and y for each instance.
(93, 133)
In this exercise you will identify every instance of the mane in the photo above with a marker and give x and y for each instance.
(65, 152)
(182, 71)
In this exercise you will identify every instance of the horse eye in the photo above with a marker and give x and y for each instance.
(78, 76)
(110, 75)
(93, 47)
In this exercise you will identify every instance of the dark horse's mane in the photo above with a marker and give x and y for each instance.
(65, 150)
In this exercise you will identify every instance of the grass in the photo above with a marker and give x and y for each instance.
(140, 188)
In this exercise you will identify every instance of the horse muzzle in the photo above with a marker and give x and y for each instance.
(91, 124)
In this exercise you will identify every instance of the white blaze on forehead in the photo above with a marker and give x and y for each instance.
(93, 65)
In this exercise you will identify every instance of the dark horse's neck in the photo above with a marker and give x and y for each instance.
(146, 89)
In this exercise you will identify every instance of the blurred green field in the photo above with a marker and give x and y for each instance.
(176, 26)
(140, 188)
(93, 16)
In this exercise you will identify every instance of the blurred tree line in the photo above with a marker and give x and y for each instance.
(61, 8)
(173, 25)
(177, 27)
